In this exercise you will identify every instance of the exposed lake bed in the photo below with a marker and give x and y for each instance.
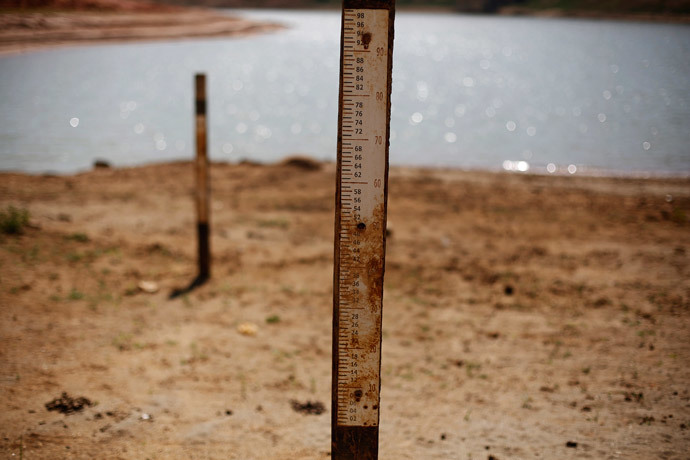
(523, 315)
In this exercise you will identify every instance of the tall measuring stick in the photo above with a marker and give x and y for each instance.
(202, 182)
(360, 225)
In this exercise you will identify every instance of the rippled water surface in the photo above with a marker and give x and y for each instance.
(476, 92)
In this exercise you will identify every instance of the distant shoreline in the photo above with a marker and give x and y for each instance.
(594, 15)
(33, 30)
(561, 170)
(670, 18)
(508, 11)
(22, 32)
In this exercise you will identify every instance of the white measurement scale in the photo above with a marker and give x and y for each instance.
(360, 226)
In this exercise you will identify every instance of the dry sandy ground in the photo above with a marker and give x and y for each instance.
(521, 313)
(21, 32)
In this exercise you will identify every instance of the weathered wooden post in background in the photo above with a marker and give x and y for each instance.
(360, 225)
(202, 181)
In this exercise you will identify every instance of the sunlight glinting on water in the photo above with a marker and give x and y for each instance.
(468, 91)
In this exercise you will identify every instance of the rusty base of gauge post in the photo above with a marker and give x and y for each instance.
(355, 443)
(204, 251)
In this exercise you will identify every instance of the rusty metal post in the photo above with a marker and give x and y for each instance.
(360, 233)
(202, 180)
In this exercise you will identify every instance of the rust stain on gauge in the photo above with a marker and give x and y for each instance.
(362, 244)
(374, 260)
(366, 39)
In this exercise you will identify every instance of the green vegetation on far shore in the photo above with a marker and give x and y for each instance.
(577, 7)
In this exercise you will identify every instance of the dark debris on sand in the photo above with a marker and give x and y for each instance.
(65, 404)
(309, 407)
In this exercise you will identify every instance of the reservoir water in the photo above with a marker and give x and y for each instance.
(468, 91)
